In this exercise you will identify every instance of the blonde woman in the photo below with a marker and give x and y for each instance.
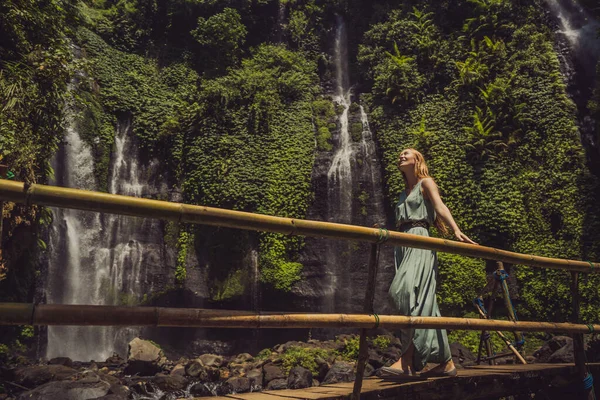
(414, 285)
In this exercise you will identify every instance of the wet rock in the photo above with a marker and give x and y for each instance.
(277, 384)
(544, 353)
(178, 370)
(461, 355)
(211, 360)
(273, 372)
(114, 361)
(239, 369)
(299, 378)
(340, 371)
(170, 383)
(195, 368)
(242, 358)
(376, 359)
(239, 384)
(256, 378)
(39, 374)
(144, 358)
(563, 355)
(369, 370)
(68, 390)
(66, 361)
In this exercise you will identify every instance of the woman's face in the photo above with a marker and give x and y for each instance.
(406, 160)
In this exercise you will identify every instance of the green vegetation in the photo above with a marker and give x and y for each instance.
(303, 357)
(488, 108)
(236, 116)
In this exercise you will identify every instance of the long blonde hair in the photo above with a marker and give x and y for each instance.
(422, 172)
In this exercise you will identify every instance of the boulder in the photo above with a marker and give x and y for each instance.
(211, 360)
(242, 358)
(272, 372)
(299, 378)
(340, 371)
(323, 367)
(195, 368)
(557, 342)
(461, 355)
(277, 384)
(39, 374)
(144, 358)
(111, 397)
(239, 384)
(563, 355)
(84, 389)
(66, 361)
(178, 370)
(169, 383)
(256, 379)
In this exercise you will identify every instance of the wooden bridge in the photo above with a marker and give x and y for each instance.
(548, 381)
(474, 383)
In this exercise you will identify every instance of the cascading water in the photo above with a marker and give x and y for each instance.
(578, 31)
(97, 258)
(348, 190)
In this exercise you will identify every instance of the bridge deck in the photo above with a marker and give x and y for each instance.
(479, 382)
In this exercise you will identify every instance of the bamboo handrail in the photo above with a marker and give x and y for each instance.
(98, 315)
(139, 207)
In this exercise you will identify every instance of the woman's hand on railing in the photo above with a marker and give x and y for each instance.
(461, 237)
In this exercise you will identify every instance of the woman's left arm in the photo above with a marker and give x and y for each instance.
(430, 190)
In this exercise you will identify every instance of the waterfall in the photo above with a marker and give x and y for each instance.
(348, 189)
(578, 31)
(99, 258)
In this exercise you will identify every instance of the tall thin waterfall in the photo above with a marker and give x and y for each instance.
(348, 190)
(578, 30)
(98, 258)
(340, 173)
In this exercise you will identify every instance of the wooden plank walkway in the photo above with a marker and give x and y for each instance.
(478, 382)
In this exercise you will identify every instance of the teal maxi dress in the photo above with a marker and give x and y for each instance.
(414, 285)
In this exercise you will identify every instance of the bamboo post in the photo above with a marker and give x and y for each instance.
(578, 346)
(363, 347)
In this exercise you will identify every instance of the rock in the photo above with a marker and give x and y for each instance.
(315, 383)
(144, 358)
(392, 353)
(563, 355)
(40, 374)
(239, 369)
(211, 360)
(201, 389)
(461, 355)
(68, 390)
(170, 383)
(375, 359)
(239, 384)
(242, 358)
(66, 361)
(340, 371)
(550, 347)
(299, 378)
(369, 370)
(195, 368)
(178, 370)
(323, 368)
(256, 379)
(114, 361)
(277, 384)
(273, 372)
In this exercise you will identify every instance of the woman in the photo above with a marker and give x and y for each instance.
(413, 287)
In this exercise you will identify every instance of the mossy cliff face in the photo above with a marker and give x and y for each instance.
(233, 100)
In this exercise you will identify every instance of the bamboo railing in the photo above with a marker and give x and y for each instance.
(126, 205)
(98, 315)
(55, 314)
